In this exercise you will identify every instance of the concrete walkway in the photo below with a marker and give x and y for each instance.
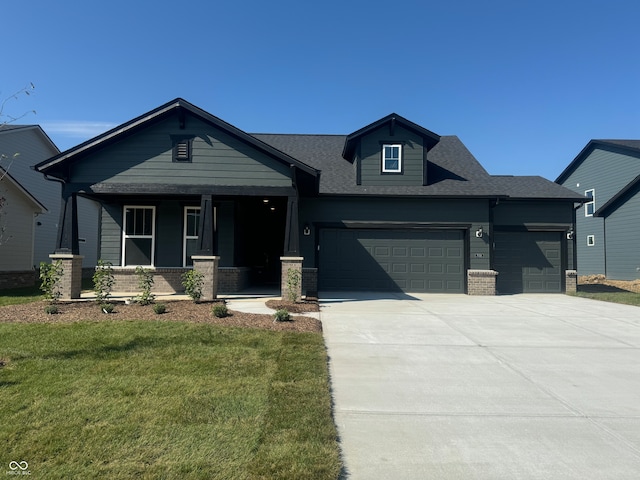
(507, 387)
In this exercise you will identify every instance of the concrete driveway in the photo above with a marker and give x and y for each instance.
(507, 387)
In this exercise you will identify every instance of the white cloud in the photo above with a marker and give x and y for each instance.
(77, 129)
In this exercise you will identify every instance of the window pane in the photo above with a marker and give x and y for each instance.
(589, 193)
(137, 251)
(193, 222)
(589, 208)
(391, 164)
(191, 250)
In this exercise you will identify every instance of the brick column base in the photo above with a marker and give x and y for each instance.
(481, 282)
(71, 281)
(208, 266)
(571, 281)
(294, 264)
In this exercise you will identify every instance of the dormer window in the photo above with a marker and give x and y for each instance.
(182, 149)
(392, 158)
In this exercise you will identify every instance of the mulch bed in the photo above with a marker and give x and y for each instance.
(177, 310)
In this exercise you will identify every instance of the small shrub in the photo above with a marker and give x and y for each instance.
(281, 315)
(50, 275)
(107, 307)
(51, 309)
(220, 310)
(159, 308)
(193, 281)
(103, 281)
(145, 282)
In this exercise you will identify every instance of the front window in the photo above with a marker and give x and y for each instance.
(138, 239)
(392, 158)
(590, 206)
(191, 231)
(591, 240)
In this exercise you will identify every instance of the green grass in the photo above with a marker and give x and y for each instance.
(14, 296)
(165, 400)
(628, 298)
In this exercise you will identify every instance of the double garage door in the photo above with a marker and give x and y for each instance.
(388, 260)
(528, 262)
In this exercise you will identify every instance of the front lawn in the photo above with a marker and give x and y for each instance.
(157, 399)
(610, 291)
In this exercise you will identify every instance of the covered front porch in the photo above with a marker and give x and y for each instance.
(239, 242)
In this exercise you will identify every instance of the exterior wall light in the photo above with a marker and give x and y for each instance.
(306, 231)
(570, 234)
(479, 232)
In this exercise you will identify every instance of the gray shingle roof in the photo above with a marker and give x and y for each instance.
(452, 171)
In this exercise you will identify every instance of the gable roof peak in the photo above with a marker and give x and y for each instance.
(431, 139)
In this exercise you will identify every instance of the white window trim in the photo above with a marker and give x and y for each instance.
(125, 236)
(592, 202)
(591, 240)
(384, 158)
(186, 237)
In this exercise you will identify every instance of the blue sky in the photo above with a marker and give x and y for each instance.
(525, 85)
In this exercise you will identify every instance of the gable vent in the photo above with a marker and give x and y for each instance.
(182, 150)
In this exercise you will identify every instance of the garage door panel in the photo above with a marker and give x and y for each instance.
(407, 260)
(529, 262)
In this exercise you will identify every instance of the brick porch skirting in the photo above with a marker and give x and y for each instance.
(22, 278)
(168, 280)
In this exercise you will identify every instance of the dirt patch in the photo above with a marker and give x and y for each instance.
(182, 311)
(599, 283)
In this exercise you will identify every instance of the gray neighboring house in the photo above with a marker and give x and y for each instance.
(389, 207)
(608, 225)
(33, 145)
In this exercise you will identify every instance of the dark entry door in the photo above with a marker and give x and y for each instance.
(528, 262)
(392, 260)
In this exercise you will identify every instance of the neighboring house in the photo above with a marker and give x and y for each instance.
(608, 225)
(18, 212)
(392, 206)
(33, 145)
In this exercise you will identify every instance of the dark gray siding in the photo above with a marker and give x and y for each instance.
(623, 241)
(169, 228)
(607, 170)
(226, 233)
(371, 158)
(218, 159)
(398, 213)
(111, 234)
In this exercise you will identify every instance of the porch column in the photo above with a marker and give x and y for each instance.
(71, 281)
(208, 266)
(205, 261)
(291, 276)
(68, 248)
(68, 227)
(206, 236)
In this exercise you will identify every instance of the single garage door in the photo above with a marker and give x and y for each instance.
(528, 262)
(392, 260)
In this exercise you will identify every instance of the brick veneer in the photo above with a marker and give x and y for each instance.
(481, 282)
(23, 278)
(571, 281)
(169, 280)
(71, 281)
(288, 263)
(310, 281)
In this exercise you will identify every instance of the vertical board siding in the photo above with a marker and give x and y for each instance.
(371, 158)
(218, 159)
